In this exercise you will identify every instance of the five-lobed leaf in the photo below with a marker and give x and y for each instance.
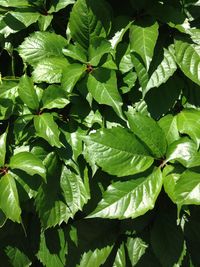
(129, 199)
(118, 151)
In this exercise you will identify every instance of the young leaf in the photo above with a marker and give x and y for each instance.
(102, 84)
(188, 59)
(3, 148)
(149, 132)
(46, 128)
(27, 162)
(118, 152)
(94, 21)
(124, 200)
(143, 37)
(54, 97)
(41, 45)
(27, 92)
(50, 70)
(9, 200)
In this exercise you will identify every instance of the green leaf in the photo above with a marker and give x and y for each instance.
(140, 69)
(60, 4)
(167, 239)
(73, 190)
(143, 37)
(149, 132)
(14, 3)
(44, 21)
(123, 57)
(184, 151)
(52, 248)
(50, 206)
(98, 47)
(49, 70)
(3, 218)
(76, 52)
(41, 45)
(94, 21)
(3, 148)
(9, 200)
(71, 75)
(16, 21)
(95, 258)
(102, 84)
(188, 121)
(169, 125)
(54, 97)
(187, 189)
(136, 248)
(118, 152)
(188, 59)
(120, 259)
(164, 70)
(16, 257)
(46, 128)
(27, 162)
(124, 200)
(27, 92)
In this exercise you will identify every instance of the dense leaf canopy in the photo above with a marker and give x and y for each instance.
(100, 133)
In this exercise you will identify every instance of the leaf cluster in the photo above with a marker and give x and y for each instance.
(100, 133)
